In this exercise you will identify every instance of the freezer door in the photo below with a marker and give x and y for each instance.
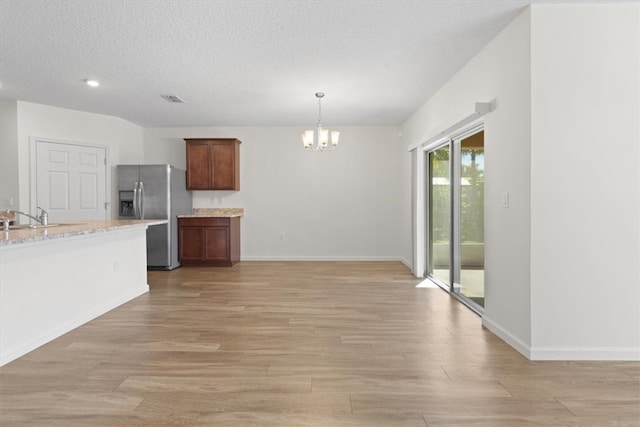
(155, 182)
(127, 177)
(127, 191)
(180, 205)
(158, 251)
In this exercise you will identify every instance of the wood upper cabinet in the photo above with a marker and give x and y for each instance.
(213, 164)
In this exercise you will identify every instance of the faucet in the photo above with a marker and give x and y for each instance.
(6, 220)
(43, 219)
(44, 216)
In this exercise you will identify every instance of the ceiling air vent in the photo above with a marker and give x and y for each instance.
(173, 98)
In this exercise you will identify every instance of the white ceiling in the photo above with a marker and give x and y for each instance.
(242, 63)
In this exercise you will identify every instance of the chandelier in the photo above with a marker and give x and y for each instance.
(319, 140)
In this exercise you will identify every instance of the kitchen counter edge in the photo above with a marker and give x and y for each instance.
(17, 237)
(210, 215)
(214, 213)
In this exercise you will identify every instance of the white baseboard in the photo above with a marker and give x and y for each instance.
(562, 353)
(9, 354)
(406, 263)
(284, 258)
(507, 337)
(586, 353)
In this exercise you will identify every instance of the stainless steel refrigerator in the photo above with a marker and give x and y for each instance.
(155, 192)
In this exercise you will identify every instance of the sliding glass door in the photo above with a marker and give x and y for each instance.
(439, 215)
(471, 218)
(455, 216)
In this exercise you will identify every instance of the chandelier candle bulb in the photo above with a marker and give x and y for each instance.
(324, 136)
(307, 138)
(335, 136)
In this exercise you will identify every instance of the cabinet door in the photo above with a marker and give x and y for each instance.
(191, 243)
(198, 165)
(223, 164)
(216, 244)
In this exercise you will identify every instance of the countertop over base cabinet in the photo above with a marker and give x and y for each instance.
(209, 241)
(213, 164)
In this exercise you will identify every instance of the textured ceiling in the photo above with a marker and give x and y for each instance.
(241, 63)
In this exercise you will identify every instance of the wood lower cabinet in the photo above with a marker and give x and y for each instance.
(209, 241)
(213, 164)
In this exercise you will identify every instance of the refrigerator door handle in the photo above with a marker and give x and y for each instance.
(135, 199)
(141, 203)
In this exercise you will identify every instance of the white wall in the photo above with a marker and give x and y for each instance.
(123, 139)
(9, 186)
(335, 205)
(562, 262)
(501, 71)
(585, 249)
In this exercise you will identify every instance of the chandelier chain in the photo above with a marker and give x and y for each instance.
(319, 95)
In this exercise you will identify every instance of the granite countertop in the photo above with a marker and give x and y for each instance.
(215, 213)
(29, 235)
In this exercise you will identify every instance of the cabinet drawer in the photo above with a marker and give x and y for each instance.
(203, 222)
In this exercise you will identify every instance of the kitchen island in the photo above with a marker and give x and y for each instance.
(57, 278)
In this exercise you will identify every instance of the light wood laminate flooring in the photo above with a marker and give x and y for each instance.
(303, 344)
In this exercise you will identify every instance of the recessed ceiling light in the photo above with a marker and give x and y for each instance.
(92, 83)
(173, 98)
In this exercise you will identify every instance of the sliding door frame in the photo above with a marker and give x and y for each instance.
(454, 141)
(432, 148)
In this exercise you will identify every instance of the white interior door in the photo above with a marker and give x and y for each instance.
(71, 181)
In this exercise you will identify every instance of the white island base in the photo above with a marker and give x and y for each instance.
(56, 280)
